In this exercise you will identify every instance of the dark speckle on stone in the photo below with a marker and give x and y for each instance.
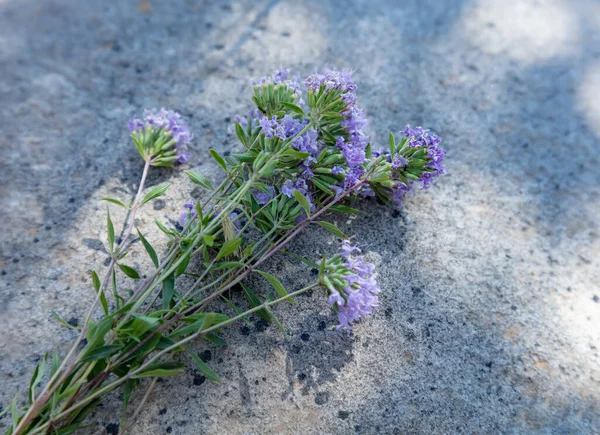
(261, 325)
(321, 398)
(256, 382)
(159, 204)
(73, 321)
(301, 377)
(15, 260)
(206, 355)
(285, 34)
(71, 200)
(396, 213)
(36, 240)
(343, 414)
(595, 298)
(3, 273)
(163, 411)
(169, 429)
(226, 153)
(112, 429)
(388, 312)
(219, 47)
(322, 325)
(245, 330)
(305, 336)
(227, 119)
(199, 379)
(314, 272)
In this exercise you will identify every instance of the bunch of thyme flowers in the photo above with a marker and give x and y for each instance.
(304, 155)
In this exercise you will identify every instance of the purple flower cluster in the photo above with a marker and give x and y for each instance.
(280, 77)
(419, 137)
(169, 121)
(359, 298)
(189, 212)
(354, 147)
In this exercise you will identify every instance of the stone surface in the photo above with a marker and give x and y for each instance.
(490, 313)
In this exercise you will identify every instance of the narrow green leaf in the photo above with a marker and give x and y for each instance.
(303, 202)
(203, 367)
(114, 201)
(255, 302)
(199, 179)
(168, 289)
(55, 363)
(184, 264)
(392, 145)
(60, 320)
(227, 265)
(215, 155)
(141, 324)
(129, 271)
(14, 413)
(161, 370)
(101, 352)
(292, 107)
(164, 229)
(149, 249)
(332, 229)
(228, 248)
(155, 193)
(215, 339)
(344, 209)
(111, 231)
(277, 285)
(96, 283)
(208, 239)
(127, 389)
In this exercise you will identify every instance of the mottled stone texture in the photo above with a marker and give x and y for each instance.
(490, 310)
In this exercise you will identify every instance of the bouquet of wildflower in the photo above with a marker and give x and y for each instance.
(305, 154)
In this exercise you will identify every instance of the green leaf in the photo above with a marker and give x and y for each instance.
(141, 324)
(127, 389)
(58, 318)
(227, 265)
(155, 193)
(392, 145)
(208, 239)
(164, 229)
(14, 413)
(292, 107)
(332, 229)
(255, 302)
(199, 179)
(114, 201)
(36, 378)
(228, 248)
(55, 363)
(129, 271)
(161, 370)
(277, 285)
(184, 264)
(344, 209)
(149, 249)
(215, 155)
(215, 339)
(168, 289)
(96, 282)
(100, 353)
(303, 202)
(302, 259)
(203, 367)
(111, 231)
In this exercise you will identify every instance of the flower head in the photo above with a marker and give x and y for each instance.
(352, 288)
(168, 135)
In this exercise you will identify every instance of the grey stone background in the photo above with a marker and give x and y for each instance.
(490, 310)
